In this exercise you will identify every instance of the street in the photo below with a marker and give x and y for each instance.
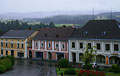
(31, 68)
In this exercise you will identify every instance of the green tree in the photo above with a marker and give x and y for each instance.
(51, 24)
(88, 56)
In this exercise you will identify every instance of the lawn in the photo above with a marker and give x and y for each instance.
(113, 74)
(62, 70)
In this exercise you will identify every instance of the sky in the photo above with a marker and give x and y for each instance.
(26, 6)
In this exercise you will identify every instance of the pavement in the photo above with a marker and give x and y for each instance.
(31, 68)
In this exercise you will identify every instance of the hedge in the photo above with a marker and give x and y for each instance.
(6, 63)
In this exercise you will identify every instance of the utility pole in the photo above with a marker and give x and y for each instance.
(93, 13)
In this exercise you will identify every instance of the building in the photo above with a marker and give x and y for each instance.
(51, 43)
(16, 42)
(104, 34)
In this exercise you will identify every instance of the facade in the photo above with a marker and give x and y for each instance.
(51, 43)
(104, 34)
(16, 42)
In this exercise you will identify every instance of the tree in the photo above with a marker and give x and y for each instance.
(88, 56)
(51, 24)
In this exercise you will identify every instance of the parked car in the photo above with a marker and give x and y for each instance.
(94, 65)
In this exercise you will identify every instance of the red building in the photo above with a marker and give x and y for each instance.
(51, 43)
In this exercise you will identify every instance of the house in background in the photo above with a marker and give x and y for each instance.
(16, 42)
(104, 34)
(51, 43)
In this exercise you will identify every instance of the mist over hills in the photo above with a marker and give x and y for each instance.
(15, 15)
(61, 17)
(75, 19)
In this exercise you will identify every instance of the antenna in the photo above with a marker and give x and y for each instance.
(93, 13)
(111, 13)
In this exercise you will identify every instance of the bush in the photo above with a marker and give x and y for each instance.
(5, 64)
(88, 67)
(12, 59)
(115, 68)
(90, 73)
(63, 63)
(70, 71)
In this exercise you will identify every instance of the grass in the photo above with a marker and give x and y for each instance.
(60, 25)
(112, 74)
(63, 69)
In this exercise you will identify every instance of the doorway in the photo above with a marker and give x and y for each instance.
(74, 57)
(30, 54)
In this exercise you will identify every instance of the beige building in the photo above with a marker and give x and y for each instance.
(16, 42)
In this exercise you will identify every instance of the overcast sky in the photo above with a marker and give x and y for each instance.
(53, 5)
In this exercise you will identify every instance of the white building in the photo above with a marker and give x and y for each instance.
(104, 34)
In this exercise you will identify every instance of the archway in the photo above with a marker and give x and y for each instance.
(114, 59)
(100, 59)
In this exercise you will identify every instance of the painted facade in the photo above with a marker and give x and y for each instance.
(107, 51)
(104, 34)
(50, 50)
(51, 43)
(16, 46)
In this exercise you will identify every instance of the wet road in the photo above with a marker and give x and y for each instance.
(31, 68)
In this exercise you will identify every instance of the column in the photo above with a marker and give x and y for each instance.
(45, 45)
(53, 45)
(39, 45)
(32, 44)
(111, 47)
(77, 57)
(59, 46)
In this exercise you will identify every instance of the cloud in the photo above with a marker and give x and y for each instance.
(51, 5)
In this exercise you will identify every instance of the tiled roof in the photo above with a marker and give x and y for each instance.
(58, 33)
(98, 29)
(17, 34)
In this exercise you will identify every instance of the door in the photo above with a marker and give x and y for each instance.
(49, 55)
(30, 54)
(39, 55)
(12, 53)
(74, 57)
(20, 54)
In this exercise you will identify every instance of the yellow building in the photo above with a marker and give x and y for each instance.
(16, 42)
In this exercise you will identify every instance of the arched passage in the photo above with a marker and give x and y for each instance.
(100, 59)
(114, 59)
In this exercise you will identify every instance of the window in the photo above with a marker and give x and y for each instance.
(1, 44)
(6, 52)
(1, 51)
(81, 45)
(49, 45)
(11, 45)
(42, 44)
(57, 35)
(104, 33)
(17, 45)
(6, 44)
(22, 45)
(73, 44)
(36, 44)
(107, 46)
(89, 45)
(116, 48)
(56, 45)
(98, 46)
(63, 46)
(45, 35)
